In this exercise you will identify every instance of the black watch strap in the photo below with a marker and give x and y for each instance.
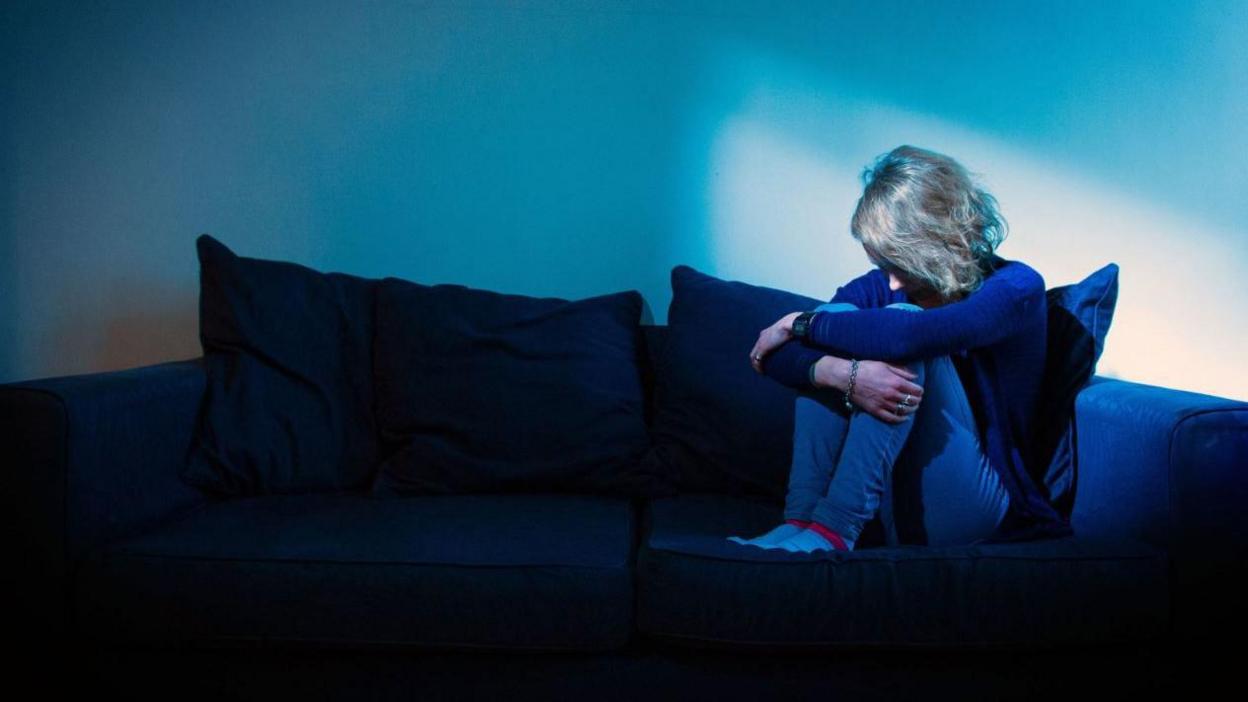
(801, 325)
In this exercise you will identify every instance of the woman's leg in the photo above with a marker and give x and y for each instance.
(861, 481)
(939, 490)
(820, 424)
(945, 492)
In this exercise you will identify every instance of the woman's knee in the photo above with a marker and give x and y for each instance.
(934, 370)
(909, 307)
(836, 307)
(940, 365)
(933, 367)
(940, 380)
(817, 413)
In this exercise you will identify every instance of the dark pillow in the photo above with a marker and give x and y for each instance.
(718, 425)
(1079, 319)
(288, 405)
(480, 391)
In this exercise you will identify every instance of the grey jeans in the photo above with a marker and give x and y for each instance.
(927, 477)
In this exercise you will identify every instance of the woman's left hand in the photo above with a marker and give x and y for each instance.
(771, 338)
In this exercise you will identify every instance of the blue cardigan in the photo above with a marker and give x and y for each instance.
(996, 337)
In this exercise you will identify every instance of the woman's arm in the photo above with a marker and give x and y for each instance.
(832, 372)
(790, 363)
(878, 386)
(1009, 300)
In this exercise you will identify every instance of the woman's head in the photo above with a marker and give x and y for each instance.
(922, 218)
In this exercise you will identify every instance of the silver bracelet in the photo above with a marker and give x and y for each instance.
(853, 375)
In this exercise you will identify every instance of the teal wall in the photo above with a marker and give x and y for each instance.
(577, 147)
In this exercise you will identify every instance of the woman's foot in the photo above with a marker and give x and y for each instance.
(815, 538)
(773, 538)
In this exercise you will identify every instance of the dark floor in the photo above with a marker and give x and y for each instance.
(257, 672)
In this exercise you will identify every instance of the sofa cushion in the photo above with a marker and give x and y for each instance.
(288, 355)
(719, 426)
(697, 587)
(504, 571)
(482, 391)
(1079, 316)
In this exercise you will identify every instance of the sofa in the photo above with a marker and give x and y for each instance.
(121, 548)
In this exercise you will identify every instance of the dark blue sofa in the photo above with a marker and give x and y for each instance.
(120, 550)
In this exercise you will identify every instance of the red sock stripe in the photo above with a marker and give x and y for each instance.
(797, 523)
(832, 537)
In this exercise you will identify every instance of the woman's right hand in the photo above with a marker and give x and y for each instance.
(880, 385)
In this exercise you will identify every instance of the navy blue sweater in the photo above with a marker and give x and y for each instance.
(996, 338)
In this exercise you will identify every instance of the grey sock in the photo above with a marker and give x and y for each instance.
(771, 538)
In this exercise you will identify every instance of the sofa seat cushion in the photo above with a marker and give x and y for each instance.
(540, 571)
(695, 586)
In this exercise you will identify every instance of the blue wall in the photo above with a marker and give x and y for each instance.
(579, 147)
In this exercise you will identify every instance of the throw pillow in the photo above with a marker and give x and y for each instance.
(1079, 319)
(718, 425)
(288, 404)
(481, 391)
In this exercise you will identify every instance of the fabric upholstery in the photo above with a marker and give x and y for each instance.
(718, 425)
(89, 459)
(1157, 510)
(481, 391)
(1166, 466)
(696, 587)
(1079, 317)
(476, 571)
(288, 406)
(107, 446)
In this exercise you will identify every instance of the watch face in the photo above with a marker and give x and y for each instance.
(801, 324)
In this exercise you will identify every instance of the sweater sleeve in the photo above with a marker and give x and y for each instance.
(790, 363)
(1006, 302)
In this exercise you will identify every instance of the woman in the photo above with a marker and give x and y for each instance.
(919, 378)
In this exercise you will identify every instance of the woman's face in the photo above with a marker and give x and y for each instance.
(923, 297)
(898, 280)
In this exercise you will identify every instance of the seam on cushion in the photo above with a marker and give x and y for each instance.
(324, 561)
(102, 550)
(1159, 554)
(411, 643)
(876, 643)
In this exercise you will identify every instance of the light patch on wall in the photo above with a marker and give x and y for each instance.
(782, 181)
(778, 212)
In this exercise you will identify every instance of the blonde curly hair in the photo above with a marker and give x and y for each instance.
(922, 214)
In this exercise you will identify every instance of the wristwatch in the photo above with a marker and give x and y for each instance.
(801, 325)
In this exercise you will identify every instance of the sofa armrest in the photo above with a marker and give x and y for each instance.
(92, 458)
(1170, 468)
